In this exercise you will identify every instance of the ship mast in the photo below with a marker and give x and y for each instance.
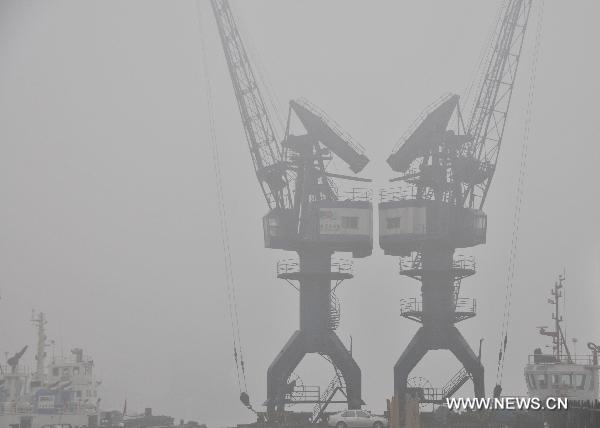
(40, 322)
(559, 341)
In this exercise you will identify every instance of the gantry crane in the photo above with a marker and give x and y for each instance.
(306, 215)
(447, 168)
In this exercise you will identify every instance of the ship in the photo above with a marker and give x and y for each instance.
(562, 373)
(60, 394)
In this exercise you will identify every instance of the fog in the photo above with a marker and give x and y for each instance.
(109, 220)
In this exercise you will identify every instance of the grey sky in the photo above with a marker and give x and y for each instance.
(109, 222)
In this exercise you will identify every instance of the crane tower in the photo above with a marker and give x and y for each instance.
(307, 215)
(447, 167)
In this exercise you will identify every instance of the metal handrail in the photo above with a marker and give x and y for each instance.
(466, 304)
(564, 359)
(287, 266)
(404, 193)
(305, 393)
(359, 194)
(460, 262)
(412, 304)
(464, 262)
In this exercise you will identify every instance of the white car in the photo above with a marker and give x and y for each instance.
(356, 419)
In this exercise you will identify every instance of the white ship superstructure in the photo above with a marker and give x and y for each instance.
(61, 394)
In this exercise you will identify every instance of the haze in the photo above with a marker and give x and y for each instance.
(109, 220)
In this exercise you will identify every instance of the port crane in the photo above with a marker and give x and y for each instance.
(447, 163)
(307, 215)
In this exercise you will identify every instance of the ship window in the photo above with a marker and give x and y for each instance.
(349, 222)
(531, 381)
(75, 371)
(480, 222)
(55, 371)
(45, 402)
(579, 381)
(542, 381)
(561, 380)
(78, 393)
(393, 222)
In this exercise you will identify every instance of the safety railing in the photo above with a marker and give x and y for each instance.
(565, 359)
(466, 305)
(335, 312)
(410, 305)
(413, 305)
(464, 262)
(357, 194)
(288, 266)
(404, 193)
(304, 394)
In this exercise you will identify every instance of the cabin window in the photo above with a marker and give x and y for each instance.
(45, 402)
(480, 222)
(75, 371)
(531, 381)
(349, 222)
(564, 379)
(393, 222)
(541, 380)
(579, 381)
(65, 371)
(561, 380)
(78, 394)
(55, 371)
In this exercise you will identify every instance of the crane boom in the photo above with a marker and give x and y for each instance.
(488, 120)
(266, 151)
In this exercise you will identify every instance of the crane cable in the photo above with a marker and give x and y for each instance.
(238, 354)
(510, 276)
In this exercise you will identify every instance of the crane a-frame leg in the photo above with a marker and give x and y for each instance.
(420, 344)
(300, 344)
(463, 352)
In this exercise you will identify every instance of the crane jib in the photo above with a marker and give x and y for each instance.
(488, 121)
(265, 150)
